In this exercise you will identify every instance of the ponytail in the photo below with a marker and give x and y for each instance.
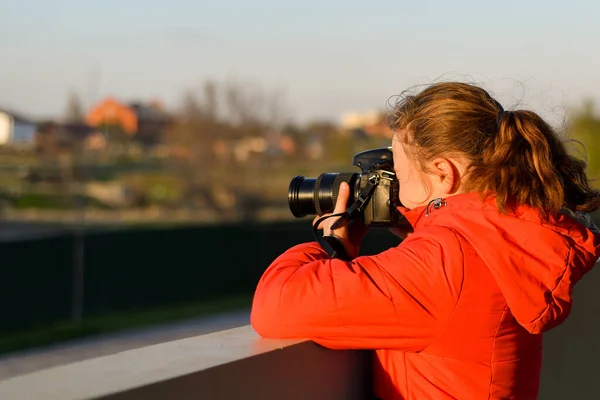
(526, 163)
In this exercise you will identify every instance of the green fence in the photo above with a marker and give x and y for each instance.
(137, 269)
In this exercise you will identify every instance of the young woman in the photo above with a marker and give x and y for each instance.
(500, 237)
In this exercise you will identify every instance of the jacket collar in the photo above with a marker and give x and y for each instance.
(421, 214)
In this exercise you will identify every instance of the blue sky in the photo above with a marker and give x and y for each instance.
(328, 57)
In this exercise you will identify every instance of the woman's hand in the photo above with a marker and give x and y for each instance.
(351, 232)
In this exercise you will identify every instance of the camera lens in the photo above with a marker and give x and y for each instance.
(317, 196)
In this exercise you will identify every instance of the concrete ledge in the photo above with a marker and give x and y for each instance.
(225, 365)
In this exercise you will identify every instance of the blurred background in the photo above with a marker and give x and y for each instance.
(146, 147)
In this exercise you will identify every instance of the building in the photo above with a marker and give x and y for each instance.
(371, 124)
(53, 137)
(144, 122)
(16, 130)
(352, 121)
(152, 122)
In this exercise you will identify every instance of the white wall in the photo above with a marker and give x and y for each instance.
(5, 128)
(16, 132)
(231, 364)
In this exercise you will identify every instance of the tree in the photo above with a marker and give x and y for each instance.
(216, 123)
(191, 109)
(211, 100)
(74, 111)
(585, 128)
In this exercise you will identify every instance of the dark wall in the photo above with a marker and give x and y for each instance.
(572, 350)
(143, 268)
(35, 283)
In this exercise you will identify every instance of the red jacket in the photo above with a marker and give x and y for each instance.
(455, 311)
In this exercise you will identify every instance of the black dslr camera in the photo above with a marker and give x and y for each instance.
(373, 192)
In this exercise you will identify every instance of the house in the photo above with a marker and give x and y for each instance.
(16, 130)
(370, 124)
(144, 122)
(152, 122)
(111, 112)
(59, 137)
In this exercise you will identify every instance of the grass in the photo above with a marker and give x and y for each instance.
(89, 327)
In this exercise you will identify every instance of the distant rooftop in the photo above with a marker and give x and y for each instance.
(148, 112)
(17, 116)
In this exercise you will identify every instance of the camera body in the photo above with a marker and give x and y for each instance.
(373, 192)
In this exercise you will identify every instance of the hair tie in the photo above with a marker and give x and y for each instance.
(500, 109)
(501, 115)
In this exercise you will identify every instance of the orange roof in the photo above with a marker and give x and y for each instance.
(111, 111)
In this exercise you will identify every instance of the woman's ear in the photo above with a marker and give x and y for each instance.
(445, 175)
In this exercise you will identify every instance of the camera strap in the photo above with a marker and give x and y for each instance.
(331, 244)
(337, 248)
(363, 197)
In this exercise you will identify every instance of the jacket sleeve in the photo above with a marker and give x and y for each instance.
(400, 299)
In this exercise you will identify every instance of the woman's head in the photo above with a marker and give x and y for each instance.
(454, 137)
